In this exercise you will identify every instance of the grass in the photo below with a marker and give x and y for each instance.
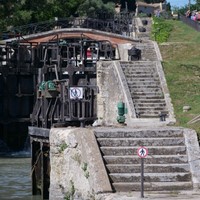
(181, 63)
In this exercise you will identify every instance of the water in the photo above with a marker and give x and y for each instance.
(15, 177)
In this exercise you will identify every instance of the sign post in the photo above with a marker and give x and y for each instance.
(142, 152)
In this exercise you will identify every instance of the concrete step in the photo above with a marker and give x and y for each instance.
(155, 186)
(149, 114)
(153, 150)
(138, 63)
(141, 141)
(153, 101)
(136, 68)
(145, 91)
(144, 83)
(144, 87)
(156, 159)
(137, 133)
(145, 44)
(148, 95)
(143, 79)
(150, 109)
(166, 163)
(141, 75)
(144, 71)
(150, 177)
(150, 105)
(139, 67)
(148, 168)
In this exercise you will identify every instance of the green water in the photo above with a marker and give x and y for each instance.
(15, 179)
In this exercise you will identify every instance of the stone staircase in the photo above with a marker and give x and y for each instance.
(145, 89)
(147, 50)
(165, 168)
(139, 23)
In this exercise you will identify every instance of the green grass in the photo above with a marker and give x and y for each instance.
(181, 63)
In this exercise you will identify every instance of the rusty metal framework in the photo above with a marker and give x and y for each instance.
(18, 58)
(64, 77)
(67, 82)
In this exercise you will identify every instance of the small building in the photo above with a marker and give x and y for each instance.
(149, 9)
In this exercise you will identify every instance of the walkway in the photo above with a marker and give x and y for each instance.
(172, 195)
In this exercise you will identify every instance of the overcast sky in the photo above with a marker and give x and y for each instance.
(180, 3)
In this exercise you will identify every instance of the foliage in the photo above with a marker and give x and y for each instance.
(7, 8)
(15, 13)
(153, 1)
(130, 4)
(93, 8)
(70, 194)
(85, 169)
(160, 29)
(62, 147)
(184, 9)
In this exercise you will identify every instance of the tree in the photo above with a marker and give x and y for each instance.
(6, 13)
(92, 8)
(20, 12)
(154, 1)
(130, 4)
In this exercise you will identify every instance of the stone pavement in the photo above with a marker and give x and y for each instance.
(168, 195)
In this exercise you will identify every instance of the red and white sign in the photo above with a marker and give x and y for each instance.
(142, 152)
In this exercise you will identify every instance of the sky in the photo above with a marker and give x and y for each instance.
(179, 3)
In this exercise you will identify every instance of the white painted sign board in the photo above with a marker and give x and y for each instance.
(76, 92)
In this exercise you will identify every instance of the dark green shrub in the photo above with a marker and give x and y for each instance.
(161, 30)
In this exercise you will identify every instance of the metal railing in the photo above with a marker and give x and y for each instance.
(119, 24)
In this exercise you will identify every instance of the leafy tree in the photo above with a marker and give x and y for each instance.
(130, 4)
(20, 12)
(6, 13)
(153, 1)
(92, 8)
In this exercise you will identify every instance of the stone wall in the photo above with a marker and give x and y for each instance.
(77, 169)
(111, 91)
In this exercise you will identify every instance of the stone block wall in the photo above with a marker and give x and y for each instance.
(111, 91)
(77, 169)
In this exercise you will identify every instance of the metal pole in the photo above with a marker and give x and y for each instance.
(126, 6)
(189, 4)
(142, 177)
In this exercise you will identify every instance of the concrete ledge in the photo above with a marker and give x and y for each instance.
(77, 169)
(171, 118)
(125, 89)
(193, 150)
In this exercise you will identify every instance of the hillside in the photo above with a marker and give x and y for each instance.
(181, 63)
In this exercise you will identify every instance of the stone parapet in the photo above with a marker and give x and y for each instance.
(77, 169)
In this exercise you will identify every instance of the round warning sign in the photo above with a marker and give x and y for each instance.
(76, 93)
(142, 152)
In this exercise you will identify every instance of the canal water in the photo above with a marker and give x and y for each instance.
(15, 177)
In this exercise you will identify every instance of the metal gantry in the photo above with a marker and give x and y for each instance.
(66, 90)
(63, 73)
(64, 77)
